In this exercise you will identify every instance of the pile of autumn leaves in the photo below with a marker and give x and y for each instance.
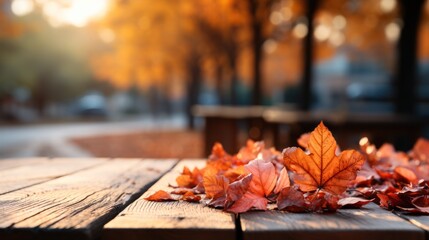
(319, 178)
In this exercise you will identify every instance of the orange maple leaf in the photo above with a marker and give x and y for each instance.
(321, 168)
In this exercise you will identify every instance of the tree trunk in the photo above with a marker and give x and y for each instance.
(257, 41)
(193, 89)
(219, 83)
(305, 99)
(234, 84)
(406, 75)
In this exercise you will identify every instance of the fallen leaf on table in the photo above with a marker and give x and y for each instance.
(282, 181)
(263, 177)
(237, 189)
(403, 173)
(421, 150)
(353, 202)
(422, 203)
(190, 197)
(292, 200)
(214, 184)
(160, 196)
(321, 168)
(188, 178)
(247, 201)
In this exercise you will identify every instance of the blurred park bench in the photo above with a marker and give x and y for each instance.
(283, 126)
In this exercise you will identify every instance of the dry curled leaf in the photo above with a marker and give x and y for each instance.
(237, 189)
(353, 202)
(190, 197)
(214, 185)
(292, 200)
(188, 178)
(321, 168)
(282, 181)
(421, 150)
(247, 201)
(160, 196)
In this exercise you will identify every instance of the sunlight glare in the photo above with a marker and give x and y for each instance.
(22, 7)
(322, 32)
(77, 13)
(392, 31)
(300, 30)
(387, 5)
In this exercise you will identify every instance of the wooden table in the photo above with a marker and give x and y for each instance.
(101, 199)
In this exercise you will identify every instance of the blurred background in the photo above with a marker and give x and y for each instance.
(120, 78)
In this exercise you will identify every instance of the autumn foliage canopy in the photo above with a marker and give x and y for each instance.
(315, 177)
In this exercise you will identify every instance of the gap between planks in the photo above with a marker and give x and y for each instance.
(171, 220)
(421, 221)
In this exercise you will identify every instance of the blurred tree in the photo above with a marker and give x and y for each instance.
(406, 73)
(259, 12)
(157, 42)
(50, 63)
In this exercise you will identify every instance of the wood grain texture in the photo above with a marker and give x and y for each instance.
(419, 221)
(78, 205)
(6, 164)
(369, 223)
(31, 172)
(170, 220)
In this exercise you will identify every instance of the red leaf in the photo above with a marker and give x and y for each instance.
(282, 181)
(291, 200)
(190, 197)
(421, 150)
(406, 174)
(353, 202)
(323, 202)
(384, 200)
(237, 189)
(181, 191)
(248, 201)
(263, 177)
(422, 203)
(160, 196)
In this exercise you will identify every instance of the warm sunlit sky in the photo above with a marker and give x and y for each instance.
(63, 12)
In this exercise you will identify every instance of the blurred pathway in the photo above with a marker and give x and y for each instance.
(50, 140)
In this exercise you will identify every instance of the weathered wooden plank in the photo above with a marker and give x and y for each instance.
(78, 205)
(6, 164)
(367, 223)
(419, 221)
(170, 220)
(26, 175)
